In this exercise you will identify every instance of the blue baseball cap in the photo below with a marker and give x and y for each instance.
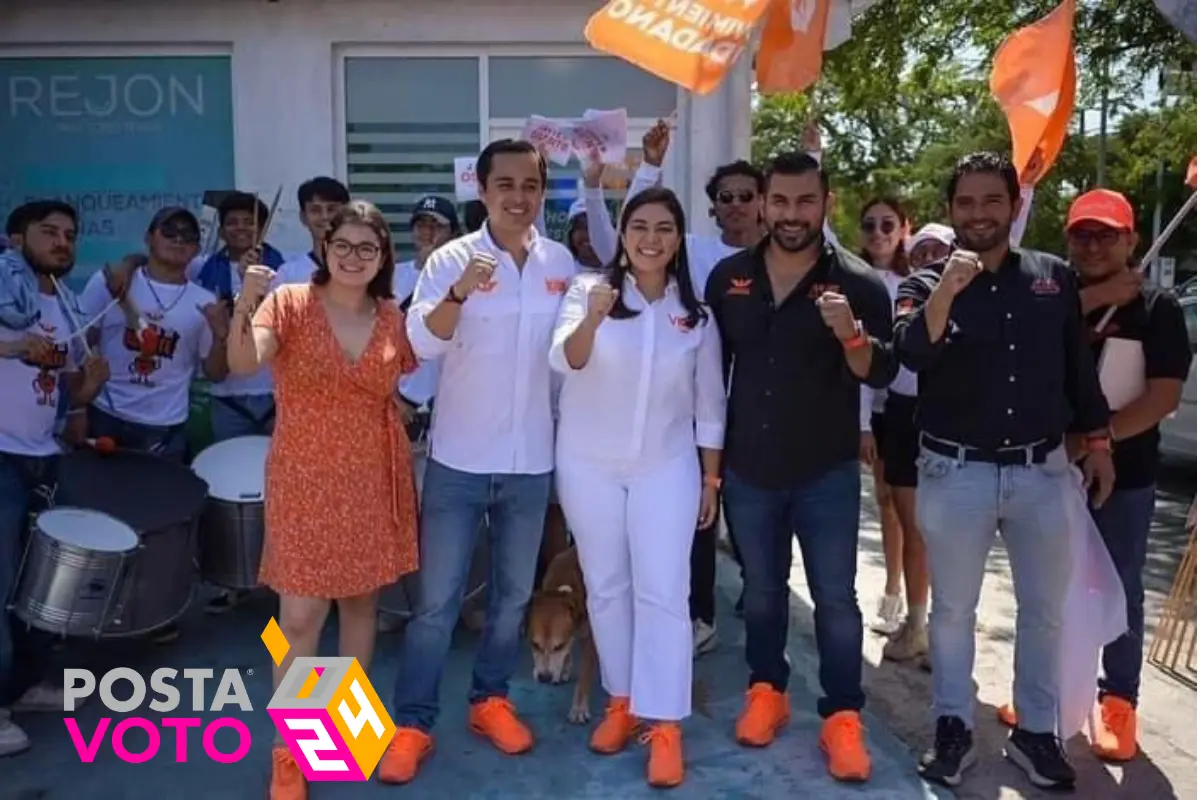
(437, 208)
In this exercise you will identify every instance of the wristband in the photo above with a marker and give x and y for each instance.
(1098, 444)
(452, 296)
(859, 339)
(712, 482)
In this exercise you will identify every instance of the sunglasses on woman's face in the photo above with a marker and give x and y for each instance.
(887, 227)
(727, 197)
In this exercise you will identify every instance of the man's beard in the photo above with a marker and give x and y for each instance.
(793, 245)
(45, 269)
(981, 244)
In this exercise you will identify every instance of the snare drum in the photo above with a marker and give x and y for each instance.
(231, 525)
(75, 565)
(159, 499)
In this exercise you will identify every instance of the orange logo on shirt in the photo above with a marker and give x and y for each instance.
(681, 323)
(152, 344)
(739, 286)
(556, 286)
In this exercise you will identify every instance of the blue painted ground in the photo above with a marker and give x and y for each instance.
(463, 767)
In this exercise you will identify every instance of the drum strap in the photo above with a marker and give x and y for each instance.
(260, 424)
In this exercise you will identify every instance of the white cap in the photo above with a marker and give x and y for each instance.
(933, 232)
(578, 208)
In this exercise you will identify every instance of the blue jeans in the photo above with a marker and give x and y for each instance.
(960, 507)
(1124, 523)
(822, 513)
(245, 415)
(21, 478)
(166, 441)
(453, 505)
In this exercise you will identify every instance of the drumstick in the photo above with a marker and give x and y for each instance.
(260, 240)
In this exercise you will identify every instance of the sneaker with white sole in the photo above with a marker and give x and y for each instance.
(910, 642)
(12, 739)
(704, 637)
(42, 698)
(891, 614)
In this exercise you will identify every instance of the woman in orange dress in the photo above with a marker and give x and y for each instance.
(340, 502)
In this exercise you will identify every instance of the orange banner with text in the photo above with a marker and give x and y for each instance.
(692, 43)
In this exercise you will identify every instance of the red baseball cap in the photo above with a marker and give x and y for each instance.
(1106, 207)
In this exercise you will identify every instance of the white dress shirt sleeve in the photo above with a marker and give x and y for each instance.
(645, 177)
(440, 273)
(600, 228)
(710, 389)
(866, 403)
(570, 314)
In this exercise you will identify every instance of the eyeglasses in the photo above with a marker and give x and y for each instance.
(727, 197)
(177, 232)
(364, 251)
(887, 227)
(1105, 237)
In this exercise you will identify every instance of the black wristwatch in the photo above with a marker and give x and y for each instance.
(453, 297)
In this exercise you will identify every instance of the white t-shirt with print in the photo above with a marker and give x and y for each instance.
(30, 391)
(151, 389)
(416, 387)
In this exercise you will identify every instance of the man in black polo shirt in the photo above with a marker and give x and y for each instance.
(1100, 243)
(996, 338)
(804, 324)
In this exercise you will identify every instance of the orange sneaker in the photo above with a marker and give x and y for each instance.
(496, 719)
(664, 769)
(408, 749)
(616, 729)
(1007, 715)
(842, 742)
(1116, 736)
(287, 781)
(765, 714)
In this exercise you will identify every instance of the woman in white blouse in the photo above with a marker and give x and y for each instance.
(642, 388)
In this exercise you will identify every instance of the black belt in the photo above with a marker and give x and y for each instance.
(1019, 456)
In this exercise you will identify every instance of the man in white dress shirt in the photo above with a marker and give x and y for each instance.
(485, 304)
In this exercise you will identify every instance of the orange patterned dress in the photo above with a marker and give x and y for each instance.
(341, 510)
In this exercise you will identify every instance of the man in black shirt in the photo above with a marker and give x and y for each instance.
(996, 338)
(1101, 241)
(804, 324)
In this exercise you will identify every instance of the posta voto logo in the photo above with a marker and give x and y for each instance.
(329, 715)
(326, 711)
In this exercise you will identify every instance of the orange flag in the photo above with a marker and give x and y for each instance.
(1191, 173)
(1033, 80)
(793, 45)
(692, 43)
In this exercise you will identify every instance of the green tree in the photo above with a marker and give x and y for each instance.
(908, 95)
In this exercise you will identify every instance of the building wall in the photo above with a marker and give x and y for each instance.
(288, 100)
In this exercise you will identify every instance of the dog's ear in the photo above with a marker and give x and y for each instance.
(565, 589)
(573, 600)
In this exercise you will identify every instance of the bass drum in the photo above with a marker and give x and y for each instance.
(161, 501)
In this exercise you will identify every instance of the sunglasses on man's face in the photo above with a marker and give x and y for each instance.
(727, 197)
(179, 232)
(887, 227)
(1104, 237)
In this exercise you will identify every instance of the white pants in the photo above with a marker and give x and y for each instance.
(633, 530)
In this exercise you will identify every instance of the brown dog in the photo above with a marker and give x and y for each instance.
(558, 620)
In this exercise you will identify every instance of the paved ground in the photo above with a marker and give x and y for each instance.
(560, 767)
(899, 695)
